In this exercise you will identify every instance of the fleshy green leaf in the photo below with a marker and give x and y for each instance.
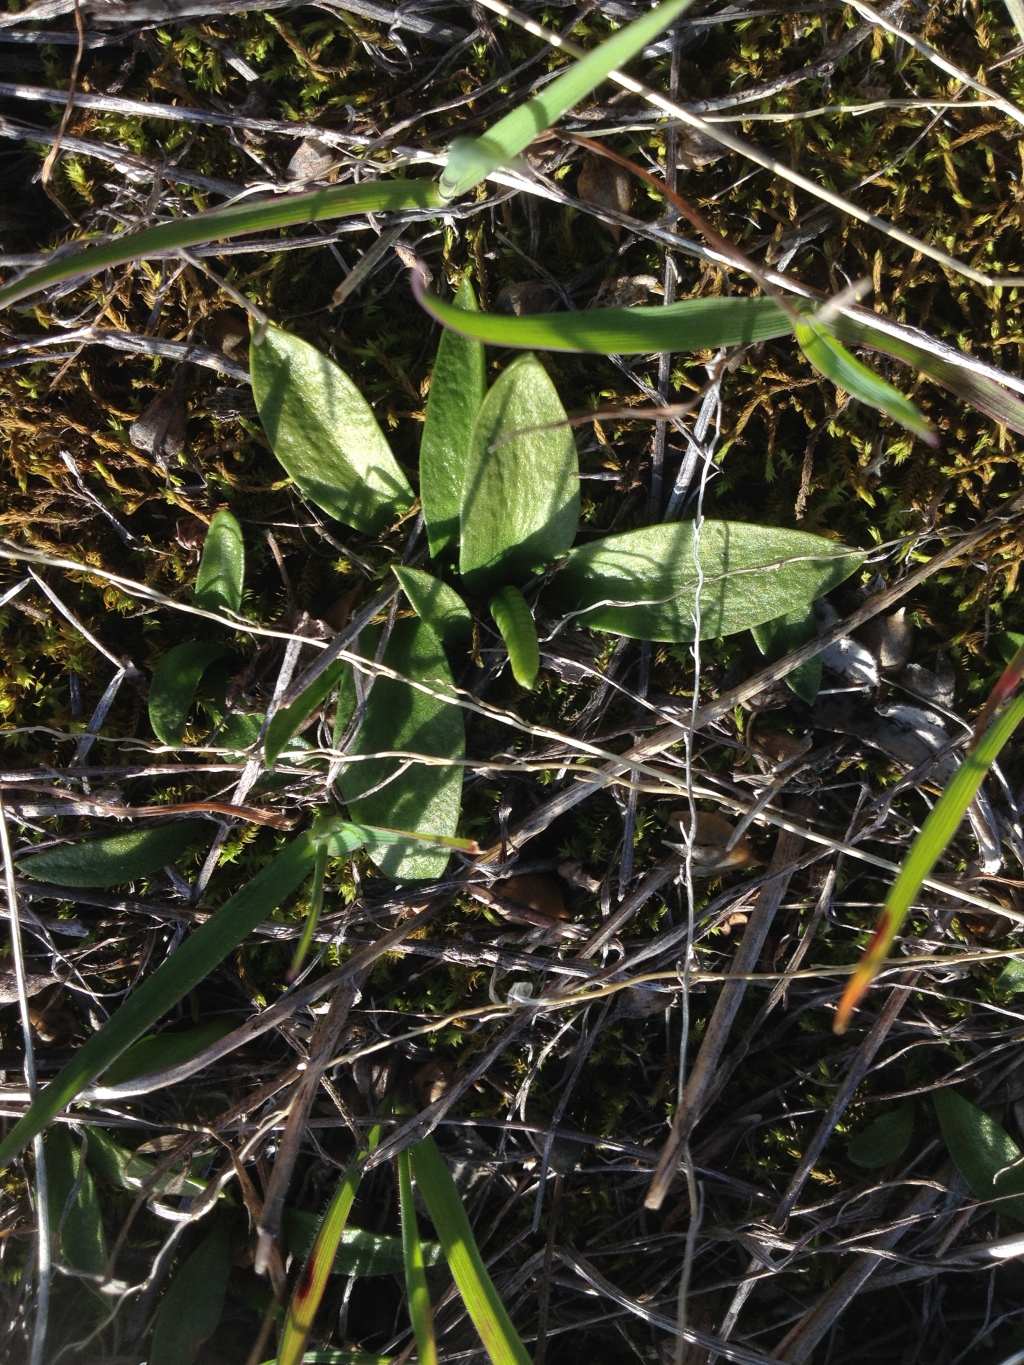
(83, 1243)
(482, 1301)
(110, 862)
(513, 617)
(982, 1151)
(521, 493)
(359, 1253)
(324, 432)
(425, 797)
(471, 160)
(457, 389)
(885, 1140)
(644, 583)
(831, 358)
(439, 605)
(775, 639)
(290, 719)
(192, 1307)
(222, 566)
(161, 1050)
(174, 684)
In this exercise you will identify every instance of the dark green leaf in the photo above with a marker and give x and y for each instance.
(439, 605)
(456, 391)
(222, 567)
(521, 493)
(1011, 978)
(982, 1152)
(885, 1140)
(174, 684)
(325, 434)
(83, 1243)
(127, 1171)
(192, 1307)
(775, 639)
(359, 1252)
(513, 617)
(109, 862)
(424, 797)
(292, 718)
(644, 583)
(161, 1050)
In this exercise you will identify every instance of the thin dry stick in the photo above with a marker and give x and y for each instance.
(54, 152)
(701, 1086)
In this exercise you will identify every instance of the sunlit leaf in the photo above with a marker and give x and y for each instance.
(457, 389)
(983, 1152)
(885, 1140)
(645, 583)
(417, 1293)
(324, 432)
(117, 859)
(173, 687)
(514, 619)
(439, 605)
(192, 1307)
(74, 1207)
(221, 573)
(360, 1253)
(1011, 978)
(471, 160)
(775, 639)
(521, 491)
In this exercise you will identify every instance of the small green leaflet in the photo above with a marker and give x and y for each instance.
(521, 491)
(222, 566)
(192, 1307)
(457, 388)
(324, 433)
(775, 639)
(513, 617)
(471, 160)
(174, 684)
(644, 583)
(439, 605)
(885, 1140)
(983, 1152)
(115, 860)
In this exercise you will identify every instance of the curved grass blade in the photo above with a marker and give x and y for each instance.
(831, 358)
(309, 1290)
(193, 1305)
(692, 325)
(482, 1301)
(513, 617)
(115, 860)
(457, 388)
(222, 566)
(420, 1311)
(174, 684)
(439, 605)
(324, 432)
(253, 215)
(928, 847)
(316, 904)
(471, 160)
(290, 719)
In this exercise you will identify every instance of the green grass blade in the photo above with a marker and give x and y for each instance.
(692, 325)
(173, 979)
(252, 215)
(471, 160)
(928, 847)
(415, 1277)
(311, 1283)
(316, 903)
(463, 1256)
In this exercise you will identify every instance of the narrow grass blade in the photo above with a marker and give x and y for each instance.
(316, 903)
(454, 1233)
(928, 847)
(415, 1277)
(831, 358)
(221, 573)
(311, 1283)
(174, 978)
(290, 719)
(360, 1253)
(471, 160)
(253, 215)
(692, 325)
(513, 617)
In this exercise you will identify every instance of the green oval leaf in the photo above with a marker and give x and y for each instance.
(781, 636)
(439, 605)
(982, 1150)
(457, 388)
(885, 1140)
(644, 583)
(174, 684)
(74, 1206)
(160, 1050)
(423, 797)
(222, 566)
(521, 493)
(192, 1307)
(513, 617)
(324, 432)
(119, 858)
